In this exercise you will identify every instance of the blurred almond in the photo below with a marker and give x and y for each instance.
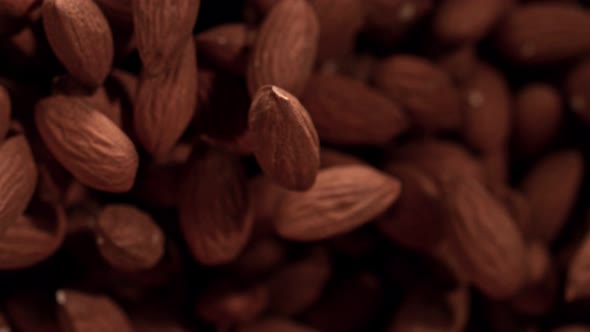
(330, 158)
(285, 48)
(342, 199)
(284, 138)
(460, 63)
(578, 275)
(226, 46)
(578, 91)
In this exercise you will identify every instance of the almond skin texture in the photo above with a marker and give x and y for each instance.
(423, 89)
(80, 36)
(488, 110)
(484, 238)
(128, 238)
(214, 208)
(545, 32)
(342, 199)
(18, 179)
(348, 112)
(166, 104)
(85, 312)
(551, 188)
(285, 48)
(5, 110)
(578, 90)
(87, 143)
(226, 46)
(162, 29)
(284, 139)
(537, 118)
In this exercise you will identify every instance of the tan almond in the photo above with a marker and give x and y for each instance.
(128, 238)
(18, 179)
(81, 312)
(87, 143)
(284, 138)
(162, 29)
(214, 209)
(165, 103)
(285, 48)
(551, 188)
(484, 238)
(426, 91)
(534, 33)
(5, 111)
(342, 199)
(80, 36)
(348, 112)
(226, 46)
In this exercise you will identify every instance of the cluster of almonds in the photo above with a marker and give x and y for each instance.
(327, 165)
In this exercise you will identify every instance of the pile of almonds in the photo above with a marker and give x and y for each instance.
(294, 165)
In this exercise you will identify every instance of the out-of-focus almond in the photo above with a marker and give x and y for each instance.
(128, 238)
(330, 158)
(459, 63)
(348, 112)
(578, 90)
(80, 36)
(578, 278)
(162, 29)
(284, 139)
(551, 188)
(342, 199)
(166, 103)
(423, 89)
(226, 46)
(18, 179)
(87, 143)
(285, 48)
(214, 209)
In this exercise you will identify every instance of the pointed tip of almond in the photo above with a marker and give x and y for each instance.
(280, 92)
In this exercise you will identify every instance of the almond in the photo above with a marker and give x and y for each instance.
(226, 46)
(488, 111)
(5, 111)
(342, 199)
(162, 29)
(534, 33)
(551, 188)
(484, 238)
(537, 119)
(427, 92)
(128, 238)
(348, 112)
(460, 63)
(330, 158)
(18, 179)
(578, 275)
(166, 103)
(285, 48)
(578, 91)
(263, 256)
(81, 312)
(284, 139)
(80, 36)
(276, 324)
(214, 208)
(87, 143)
(495, 164)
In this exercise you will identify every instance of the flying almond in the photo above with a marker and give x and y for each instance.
(342, 199)
(285, 48)
(80, 36)
(285, 142)
(87, 143)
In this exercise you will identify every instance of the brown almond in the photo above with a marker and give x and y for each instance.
(18, 179)
(276, 324)
(166, 103)
(31, 312)
(82, 312)
(214, 209)
(342, 199)
(80, 36)
(17, 9)
(534, 33)
(262, 257)
(578, 91)
(488, 110)
(285, 48)
(537, 118)
(32, 238)
(458, 21)
(348, 112)
(162, 29)
(5, 111)
(495, 165)
(298, 285)
(484, 238)
(551, 188)
(423, 89)
(577, 285)
(330, 158)
(460, 63)
(87, 143)
(266, 197)
(284, 138)
(226, 46)
(128, 238)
